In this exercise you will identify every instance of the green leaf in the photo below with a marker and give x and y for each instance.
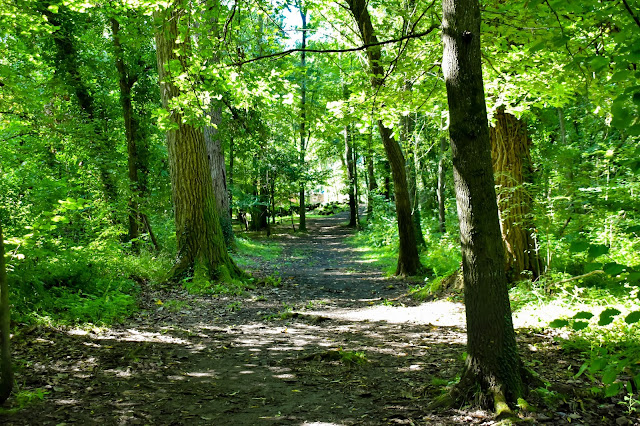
(613, 268)
(633, 317)
(583, 315)
(598, 364)
(590, 267)
(613, 390)
(579, 325)
(606, 317)
(633, 229)
(578, 246)
(633, 277)
(583, 368)
(558, 323)
(596, 250)
(609, 376)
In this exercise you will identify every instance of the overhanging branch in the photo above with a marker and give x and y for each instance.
(352, 49)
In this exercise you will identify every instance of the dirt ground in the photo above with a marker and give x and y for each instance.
(325, 347)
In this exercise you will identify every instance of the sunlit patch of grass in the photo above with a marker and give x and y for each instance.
(248, 252)
(381, 257)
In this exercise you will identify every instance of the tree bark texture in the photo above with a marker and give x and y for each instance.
(215, 158)
(493, 361)
(510, 154)
(198, 232)
(6, 371)
(408, 257)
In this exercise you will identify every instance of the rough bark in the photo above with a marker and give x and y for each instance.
(6, 371)
(510, 154)
(215, 158)
(408, 257)
(493, 362)
(303, 119)
(199, 237)
(440, 189)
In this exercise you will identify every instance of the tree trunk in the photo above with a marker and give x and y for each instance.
(6, 372)
(493, 362)
(218, 170)
(303, 119)
(232, 154)
(373, 186)
(511, 159)
(199, 237)
(353, 208)
(68, 66)
(440, 189)
(356, 191)
(409, 142)
(408, 257)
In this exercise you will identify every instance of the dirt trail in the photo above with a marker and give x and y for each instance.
(321, 349)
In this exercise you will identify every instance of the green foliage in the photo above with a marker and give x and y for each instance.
(352, 357)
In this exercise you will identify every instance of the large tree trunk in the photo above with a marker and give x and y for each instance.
(493, 362)
(199, 237)
(6, 372)
(511, 158)
(303, 119)
(215, 157)
(408, 257)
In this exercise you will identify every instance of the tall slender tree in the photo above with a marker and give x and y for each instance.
(6, 371)
(136, 163)
(200, 241)
(493, 362)
(303, 115)
(408, 256)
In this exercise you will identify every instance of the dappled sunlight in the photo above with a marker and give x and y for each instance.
(441, 313)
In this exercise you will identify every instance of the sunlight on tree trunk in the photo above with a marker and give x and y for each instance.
(510, 146)
(199, 237)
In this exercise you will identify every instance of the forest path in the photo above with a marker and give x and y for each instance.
(323, 348)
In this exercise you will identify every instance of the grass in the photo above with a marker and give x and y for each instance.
(249, 252)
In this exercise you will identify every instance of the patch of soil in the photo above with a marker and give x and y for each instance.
(323, 348)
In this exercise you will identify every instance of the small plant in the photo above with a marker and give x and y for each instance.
(234, 306)
(353, 357)
(631, 403)
(25, 398)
